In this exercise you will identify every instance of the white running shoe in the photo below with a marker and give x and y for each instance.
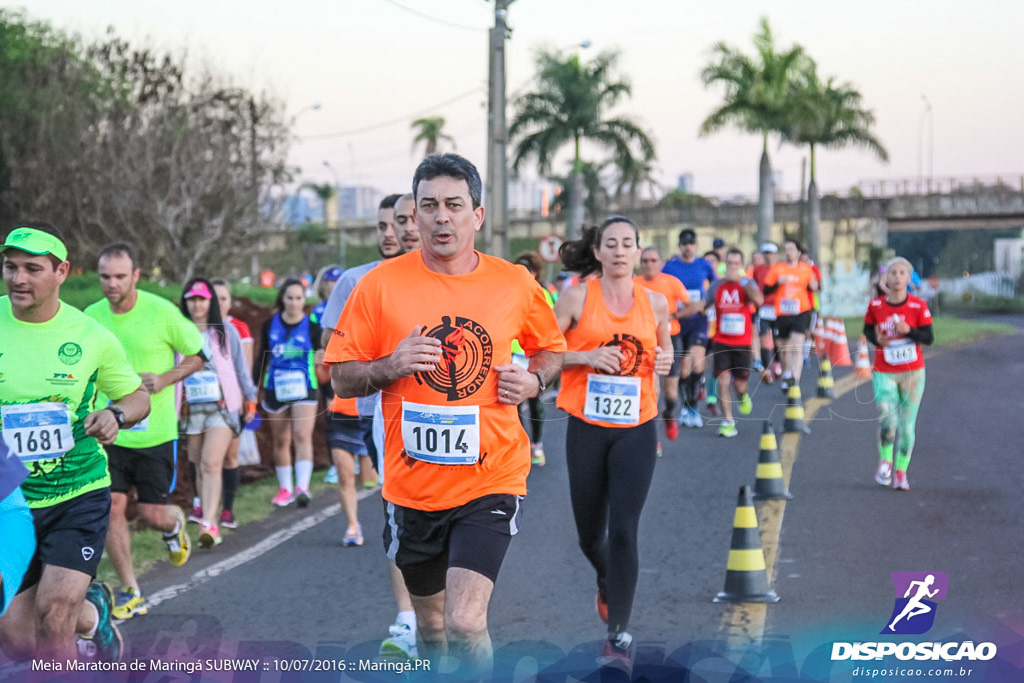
(401, 644)
(884, 474)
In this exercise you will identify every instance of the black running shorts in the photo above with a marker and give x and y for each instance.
(150, 470)
(732, 359)
(474, 536)
(792, 324)
(70, 535)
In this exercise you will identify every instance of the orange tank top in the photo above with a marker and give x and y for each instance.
(629, 398)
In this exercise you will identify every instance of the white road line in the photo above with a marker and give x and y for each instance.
(238, 559)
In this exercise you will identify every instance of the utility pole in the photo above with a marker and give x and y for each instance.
(496, 203)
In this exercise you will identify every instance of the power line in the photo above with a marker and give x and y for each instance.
(443, 22)
(401, 119)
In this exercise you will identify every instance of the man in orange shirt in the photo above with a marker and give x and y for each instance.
(792, 282)
(424, 329)
(653, 279)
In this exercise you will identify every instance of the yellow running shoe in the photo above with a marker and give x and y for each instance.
(178, 545)
(746, 405)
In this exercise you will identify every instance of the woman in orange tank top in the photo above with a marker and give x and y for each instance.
(618, 337)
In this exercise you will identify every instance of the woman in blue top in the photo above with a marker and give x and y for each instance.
(288, 353)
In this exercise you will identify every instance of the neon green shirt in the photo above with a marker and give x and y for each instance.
(150, 333)
(66, 360)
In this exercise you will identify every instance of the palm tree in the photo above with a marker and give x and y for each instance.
(829, 115)
(756, 100)
(633, 175)
(571, 104)
(430, 132)
(596, 203)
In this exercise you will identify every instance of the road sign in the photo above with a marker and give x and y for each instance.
(548, 248)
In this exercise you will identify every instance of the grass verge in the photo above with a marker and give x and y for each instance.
(252, 504)
(949, 330)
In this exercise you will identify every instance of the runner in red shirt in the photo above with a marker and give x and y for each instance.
(898, 324)
(730, 350)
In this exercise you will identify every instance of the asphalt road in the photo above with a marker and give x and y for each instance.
(303, 596)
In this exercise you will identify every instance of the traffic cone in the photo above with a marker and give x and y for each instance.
(794, 421)
(840, 355)
(746, 578)
(863, 359)
(769, 484)
(826, 383)
(821, 339)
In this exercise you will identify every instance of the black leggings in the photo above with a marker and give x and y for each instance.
(533, 413)
(610, 472)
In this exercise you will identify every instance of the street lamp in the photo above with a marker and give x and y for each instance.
(496, 224)
(926, 116)
(342, 242)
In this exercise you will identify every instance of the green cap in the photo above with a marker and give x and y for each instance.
(35, 242)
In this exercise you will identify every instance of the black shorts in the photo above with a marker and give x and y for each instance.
(70, 535)
(792, 324)
(345, 432)
(732, 359)
(677, 355)
(152, 471)
(274, 407)
(425, 544)
(694, 331)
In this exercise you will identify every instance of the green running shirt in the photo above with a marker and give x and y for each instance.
(66, 359)
(150, 333)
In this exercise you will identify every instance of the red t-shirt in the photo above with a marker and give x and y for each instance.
(732, 313)
(902, 355)
(243, 330)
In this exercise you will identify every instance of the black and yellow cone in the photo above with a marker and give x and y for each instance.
(826, 384)
(794, 421)
(769, 484)
(746, 579)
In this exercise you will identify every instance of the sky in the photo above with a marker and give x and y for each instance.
(375, 65)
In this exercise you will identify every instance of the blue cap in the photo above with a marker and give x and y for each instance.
(718, 243)
(333, 273)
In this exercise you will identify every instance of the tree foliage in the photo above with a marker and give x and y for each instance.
(126, 146)
(572, 104)
(757, 88)
(430, 133)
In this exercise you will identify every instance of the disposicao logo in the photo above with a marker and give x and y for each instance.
(916, 592)
(913, 613)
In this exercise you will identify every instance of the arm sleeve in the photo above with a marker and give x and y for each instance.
(238, 360)
(922, 335)
(315, 332)
(712, 290)
(870, 334)
(259, 359)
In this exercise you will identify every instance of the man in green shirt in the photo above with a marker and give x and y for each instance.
(151, 329)
(53, 361)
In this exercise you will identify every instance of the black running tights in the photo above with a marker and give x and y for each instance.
(610, 471)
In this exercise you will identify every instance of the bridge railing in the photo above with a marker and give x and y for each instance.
(904, 187)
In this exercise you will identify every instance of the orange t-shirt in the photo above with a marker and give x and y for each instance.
(673, 290)
(345, 406)
(603, 399)
(447, 438)
(791, 296)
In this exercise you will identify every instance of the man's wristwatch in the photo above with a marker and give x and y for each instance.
(540, 383)
(118, 415)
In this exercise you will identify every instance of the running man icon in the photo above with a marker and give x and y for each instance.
(919, 591)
